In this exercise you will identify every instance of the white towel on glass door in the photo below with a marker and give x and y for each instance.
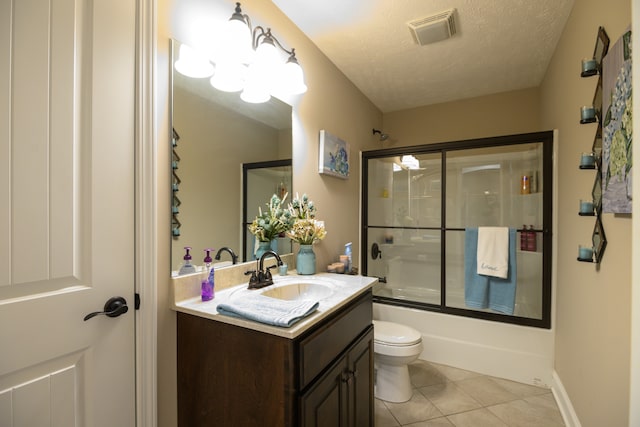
(493, 251)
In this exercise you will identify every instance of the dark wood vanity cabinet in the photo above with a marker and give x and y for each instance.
(342, 396)
(233, 376)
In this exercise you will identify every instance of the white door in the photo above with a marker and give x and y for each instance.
(67, 70)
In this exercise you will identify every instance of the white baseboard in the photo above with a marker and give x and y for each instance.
(564, 403)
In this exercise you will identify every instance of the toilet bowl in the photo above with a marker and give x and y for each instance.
(394, 347)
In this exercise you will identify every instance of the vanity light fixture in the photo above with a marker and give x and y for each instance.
(249, 60)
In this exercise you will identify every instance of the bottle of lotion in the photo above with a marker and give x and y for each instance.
(187, 267)
(207, 281)
(347, 252)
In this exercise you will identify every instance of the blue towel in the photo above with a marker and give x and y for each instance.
(485, 291)
(268, 310)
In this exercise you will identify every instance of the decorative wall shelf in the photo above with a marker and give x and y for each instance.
(592, 67)
(175, 186)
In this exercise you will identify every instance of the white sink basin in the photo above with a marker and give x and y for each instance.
(299, 291)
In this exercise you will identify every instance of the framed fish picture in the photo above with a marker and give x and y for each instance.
(333, 156)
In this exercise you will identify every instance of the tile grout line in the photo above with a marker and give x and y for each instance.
(442, 379)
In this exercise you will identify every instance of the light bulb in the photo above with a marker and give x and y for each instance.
(267, 59)
(291, 78)
(192, 64)
(255, 94)
(229, 77)
(234, 43)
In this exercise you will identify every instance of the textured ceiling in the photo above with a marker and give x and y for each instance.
(501, 45)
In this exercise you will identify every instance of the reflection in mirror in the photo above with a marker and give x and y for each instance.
(218, 133)
(260, 181)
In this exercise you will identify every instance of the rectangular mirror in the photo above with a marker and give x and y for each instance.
(218, 134)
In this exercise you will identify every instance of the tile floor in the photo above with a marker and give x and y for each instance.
(445, 396)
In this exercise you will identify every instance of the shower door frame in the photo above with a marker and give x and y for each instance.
(546, 139)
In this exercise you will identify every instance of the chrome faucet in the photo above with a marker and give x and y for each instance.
(234, 257)
(262, 277)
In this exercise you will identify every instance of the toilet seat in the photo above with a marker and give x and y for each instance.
(394, 334)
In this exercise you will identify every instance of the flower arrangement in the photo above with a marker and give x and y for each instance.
(306, 230)
(273, 222)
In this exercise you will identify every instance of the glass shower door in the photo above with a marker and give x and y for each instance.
(404, 219)
(496, 187)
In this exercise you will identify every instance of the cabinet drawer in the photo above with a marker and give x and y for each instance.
(318, 350)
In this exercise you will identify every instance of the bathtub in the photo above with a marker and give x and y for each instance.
(515, 352)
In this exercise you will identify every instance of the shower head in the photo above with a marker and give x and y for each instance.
(383, 136)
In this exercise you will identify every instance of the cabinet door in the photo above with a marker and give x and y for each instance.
(325, 404)
(360, 384)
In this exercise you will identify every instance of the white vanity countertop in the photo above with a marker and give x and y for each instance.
(345, 288)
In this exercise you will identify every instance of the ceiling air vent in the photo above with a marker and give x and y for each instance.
(433, 28)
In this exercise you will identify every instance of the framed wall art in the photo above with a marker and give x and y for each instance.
(333, 156)
(617, 129)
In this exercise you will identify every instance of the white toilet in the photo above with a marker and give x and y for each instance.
(394, 347)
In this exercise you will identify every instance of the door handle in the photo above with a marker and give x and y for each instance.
(114, 307)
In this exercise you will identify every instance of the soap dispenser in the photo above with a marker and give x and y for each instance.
(207, 281)
(347, 252)
(187, 267)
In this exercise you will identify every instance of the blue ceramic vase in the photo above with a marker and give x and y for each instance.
(306, 260)
(262, 248)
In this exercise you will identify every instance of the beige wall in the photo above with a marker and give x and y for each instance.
(592, 305)
(167, 415)
(332, 103)
(505, 113)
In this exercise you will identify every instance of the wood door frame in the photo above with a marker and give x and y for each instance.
(146, 183)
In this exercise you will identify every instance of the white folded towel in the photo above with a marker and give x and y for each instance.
(493, 251)
(271, 311)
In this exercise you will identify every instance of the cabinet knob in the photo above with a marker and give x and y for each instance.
(347, 376)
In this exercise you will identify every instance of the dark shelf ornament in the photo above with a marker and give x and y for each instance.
(175, 186)
(591, 114)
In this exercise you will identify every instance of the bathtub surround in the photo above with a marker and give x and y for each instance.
(514, 352)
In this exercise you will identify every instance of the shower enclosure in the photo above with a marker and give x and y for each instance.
(418, 201)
